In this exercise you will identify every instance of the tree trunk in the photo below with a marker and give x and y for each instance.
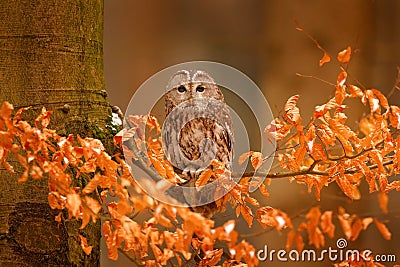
(50, 56)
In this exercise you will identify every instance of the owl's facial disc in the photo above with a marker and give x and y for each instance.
(200, 89)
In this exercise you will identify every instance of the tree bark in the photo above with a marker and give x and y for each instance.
(50, 56)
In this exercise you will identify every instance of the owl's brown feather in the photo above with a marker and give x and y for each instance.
(198, 128)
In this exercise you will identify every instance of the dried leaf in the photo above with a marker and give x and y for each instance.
(6, 110)
(93, 205)
(73, 204)
(158, 166)
(344, 55)
(244, 156)
(382, 99)
(340, 93)
(256, 160)
(345, 222)
(341, 80)
(277, 130)
(44, 118)
(326, 224)
(348, 188)
(325, 59)
(355, 91)
(264, 191)
(85, 247)
(323, 109)
(152, 123)
(203, 178)
(292, 113)
(372, 100)
(252, 201)
(268, 216)
(394, 117)
(366, 222)
(383, 230)
(315, 235)
(247, 215)
(356, 229)
(383, 201)
(212, 257)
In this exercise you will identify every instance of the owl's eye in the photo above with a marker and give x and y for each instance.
(181, 89)
(200, 89)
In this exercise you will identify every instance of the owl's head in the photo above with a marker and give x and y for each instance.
(187, 85)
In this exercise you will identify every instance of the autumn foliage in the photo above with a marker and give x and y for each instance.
(316, 153)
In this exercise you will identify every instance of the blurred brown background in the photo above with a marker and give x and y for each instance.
(259, 38)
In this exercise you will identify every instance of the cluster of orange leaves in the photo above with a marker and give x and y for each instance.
(171, 235)
(323, 151)
(327, 150)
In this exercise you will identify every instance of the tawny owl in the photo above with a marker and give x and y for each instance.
(197, 129)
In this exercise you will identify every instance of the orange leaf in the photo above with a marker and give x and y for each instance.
(381, 97)
(340, 93)
(314, 233)
(55, 201)
(347, 187)
(326, 134)
(92, 204)
(85, 247)
(383, 230)
(344, 220)
(244, 156)
(58, 218)
(158, 166)
(372, 100)
(256, 160)
(152, 123)
(325, 59)
(252, 201)
(290, 239)
(355, 91)
(237, 210)
(294, 236)
(341, 79)
(326, 224)
(321, 110)
(264, 191)
(277, 130)
(268, 216)
(383, 201)
(394, 117)
(73, 204)
(247, 215)
(377, 157)
(6, 110)
(203, 178)
(213, 257)
(356, 229)
(110, 239)
(366, 222)
(292, 113)
(344, 55)
(44, 118)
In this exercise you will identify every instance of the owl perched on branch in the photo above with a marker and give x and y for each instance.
(197, 130)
